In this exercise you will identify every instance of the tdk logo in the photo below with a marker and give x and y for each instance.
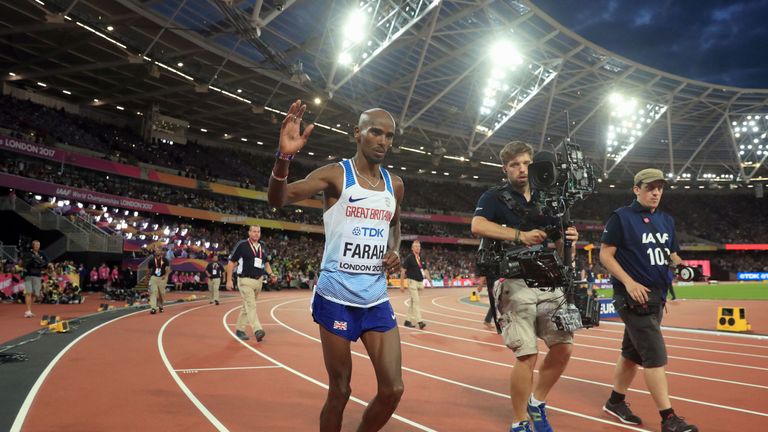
(368, 232)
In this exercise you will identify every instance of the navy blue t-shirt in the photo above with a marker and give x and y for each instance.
(639, 249)
(250, 259)
(491, 207)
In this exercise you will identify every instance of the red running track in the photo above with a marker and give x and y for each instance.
(185, 370)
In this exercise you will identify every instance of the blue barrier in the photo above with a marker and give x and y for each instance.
(606, 309)
(752, 276)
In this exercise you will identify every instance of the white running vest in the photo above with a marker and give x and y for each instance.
(356, 235)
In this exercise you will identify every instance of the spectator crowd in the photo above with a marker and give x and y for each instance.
(736, 217)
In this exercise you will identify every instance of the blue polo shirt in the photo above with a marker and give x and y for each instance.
(492, 207)
(639, 249)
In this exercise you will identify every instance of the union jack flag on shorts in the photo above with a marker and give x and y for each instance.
(340, 325)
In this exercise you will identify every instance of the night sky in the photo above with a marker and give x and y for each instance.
(720, 42)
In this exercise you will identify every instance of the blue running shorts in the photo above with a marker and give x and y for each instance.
(350, 322)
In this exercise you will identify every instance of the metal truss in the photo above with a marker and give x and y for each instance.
(526, 83)
(380, 22)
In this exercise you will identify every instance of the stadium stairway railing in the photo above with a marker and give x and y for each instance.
(79, 235)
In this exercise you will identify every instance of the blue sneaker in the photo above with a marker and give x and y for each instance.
(525, 426)
(538, 414)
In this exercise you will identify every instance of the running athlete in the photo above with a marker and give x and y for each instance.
(362, 230)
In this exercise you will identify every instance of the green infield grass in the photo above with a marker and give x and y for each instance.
(722, 291)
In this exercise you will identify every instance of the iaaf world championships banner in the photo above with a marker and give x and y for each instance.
(86, 196)
(97, 164)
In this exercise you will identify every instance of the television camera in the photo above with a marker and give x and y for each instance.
(559, 181)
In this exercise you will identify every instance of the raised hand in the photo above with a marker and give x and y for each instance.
(291, 138)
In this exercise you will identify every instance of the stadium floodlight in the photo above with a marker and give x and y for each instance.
(629, 119)
(370, 28)
(512, 81)
(711, 177)
(749, 138)
(354, 29)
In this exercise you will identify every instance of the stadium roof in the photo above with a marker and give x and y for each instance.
(230, 66)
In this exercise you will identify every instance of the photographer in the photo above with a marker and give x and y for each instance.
(524, 313)
(637, 243)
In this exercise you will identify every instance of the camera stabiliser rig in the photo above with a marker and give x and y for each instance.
(560, 180)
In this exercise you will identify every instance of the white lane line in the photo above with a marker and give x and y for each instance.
(24, 410)
(262, 324)
(584, 334)
(687, 339)
(195, 370)
(694, 401)
(665, 328)
(585, 381)
(451, 316)
(458, 383)
(310, 379)
(576, 345)
(761, 356)
(700, 377)
(588, 360)
(434, 302)
(187, 392)
(705, 332)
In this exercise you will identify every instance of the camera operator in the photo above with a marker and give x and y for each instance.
(524, 313)
(637, 243)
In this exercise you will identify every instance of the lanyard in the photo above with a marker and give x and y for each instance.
(254, 249)
(418, 261)
(158, 263)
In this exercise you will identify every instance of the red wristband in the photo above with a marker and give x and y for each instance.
(283, 156)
